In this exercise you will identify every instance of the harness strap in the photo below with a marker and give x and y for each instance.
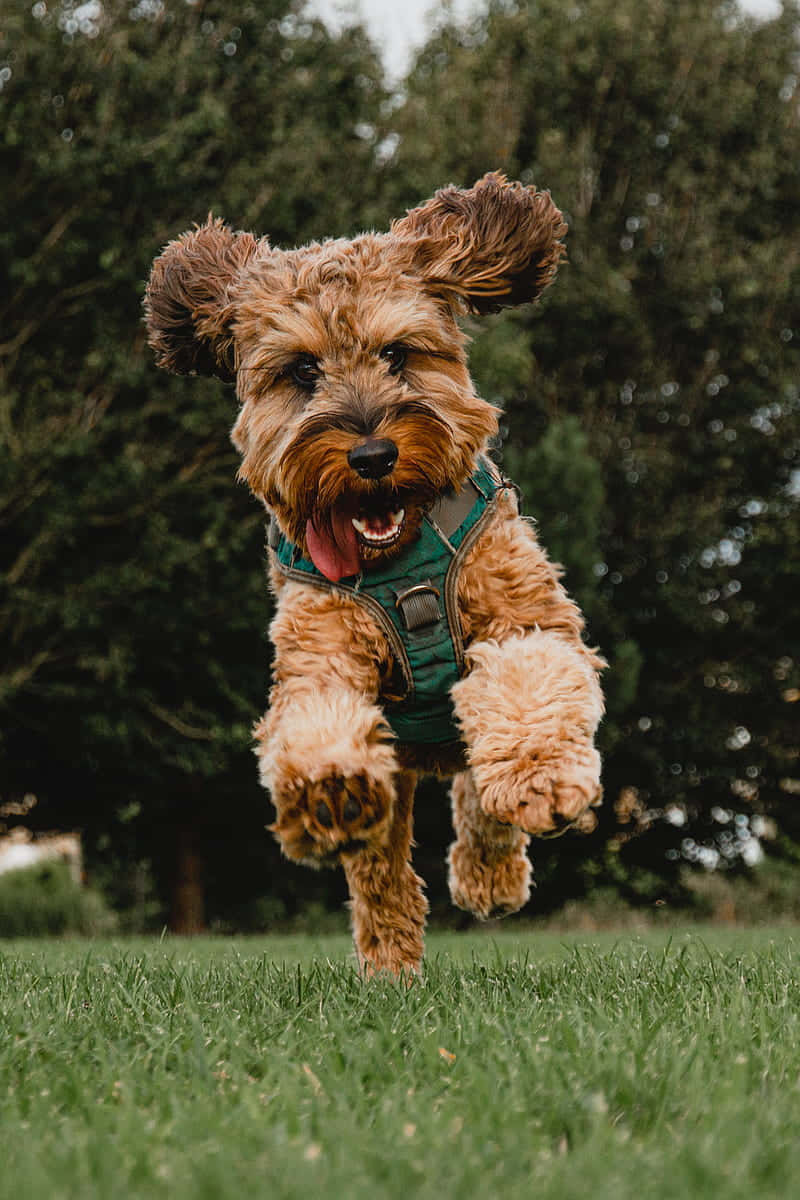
(418, 604)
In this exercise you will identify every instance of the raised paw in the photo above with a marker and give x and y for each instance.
(321, 820)
(546, 796)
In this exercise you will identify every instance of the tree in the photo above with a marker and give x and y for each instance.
(652, 406)
(133, 590)
(653, 411)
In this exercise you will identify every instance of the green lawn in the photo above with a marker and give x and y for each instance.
(523, 1065)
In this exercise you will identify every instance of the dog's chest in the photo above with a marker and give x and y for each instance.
(414, 602)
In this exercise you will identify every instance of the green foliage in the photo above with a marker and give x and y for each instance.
(269, 1068)
(668, 133)
(563, 484)
(652, 406)
(132, 594)
(768, 894)
(45, 900)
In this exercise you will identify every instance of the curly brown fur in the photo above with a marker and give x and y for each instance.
(490, 872)
(493, 245)
(342, 349)
(325, 750)
(387, 902)
(186, 302)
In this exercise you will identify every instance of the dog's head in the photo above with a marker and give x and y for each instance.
(357, 409)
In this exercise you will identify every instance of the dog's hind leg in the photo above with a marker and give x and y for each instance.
(386, 899)
(489, 868)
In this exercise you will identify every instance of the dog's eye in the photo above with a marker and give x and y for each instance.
(305, 372)
(395, 355)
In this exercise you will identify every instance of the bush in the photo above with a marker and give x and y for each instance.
(767, 894)
(45, 900)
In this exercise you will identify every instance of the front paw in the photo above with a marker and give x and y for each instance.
(319, 821)
(543, 795)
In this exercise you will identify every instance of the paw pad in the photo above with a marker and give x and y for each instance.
(326, 818)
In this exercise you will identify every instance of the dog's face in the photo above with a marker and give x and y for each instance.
(357, 409)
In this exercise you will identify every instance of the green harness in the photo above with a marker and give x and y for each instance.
(414, 600)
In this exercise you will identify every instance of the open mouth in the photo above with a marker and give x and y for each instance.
(379, 530)
(357, 531)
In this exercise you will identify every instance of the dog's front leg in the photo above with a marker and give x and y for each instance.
(528, 710)
(327, 759)
(531, 701)
(325, 751)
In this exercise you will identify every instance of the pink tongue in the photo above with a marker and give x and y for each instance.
(337, 556)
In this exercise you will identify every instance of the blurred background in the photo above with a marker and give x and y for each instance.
(652, 407)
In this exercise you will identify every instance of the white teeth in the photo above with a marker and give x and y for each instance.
(362, 526)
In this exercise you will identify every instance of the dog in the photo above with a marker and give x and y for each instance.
(419, 625)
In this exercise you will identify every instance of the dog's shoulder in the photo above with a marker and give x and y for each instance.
(509, 584)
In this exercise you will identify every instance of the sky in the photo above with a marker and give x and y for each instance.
(398, 27)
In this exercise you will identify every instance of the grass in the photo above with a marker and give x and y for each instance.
(524, 1065)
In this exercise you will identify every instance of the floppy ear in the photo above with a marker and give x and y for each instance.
(187, 302)
(494, 244)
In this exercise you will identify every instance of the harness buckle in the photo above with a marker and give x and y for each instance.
(418, 604)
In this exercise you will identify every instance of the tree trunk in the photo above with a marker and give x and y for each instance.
(188, 908)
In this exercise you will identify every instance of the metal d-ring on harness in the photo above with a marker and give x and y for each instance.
(414, 600)
(419, 602)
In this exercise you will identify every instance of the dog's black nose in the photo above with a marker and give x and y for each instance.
(373, 458)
